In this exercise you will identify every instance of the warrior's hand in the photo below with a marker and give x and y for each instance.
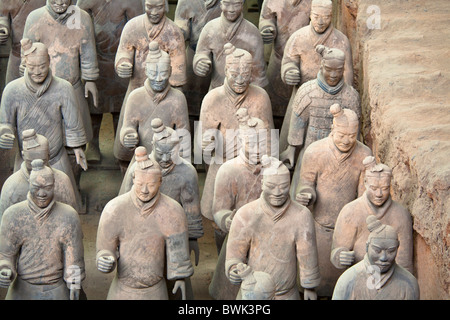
(105, 264)
(202, 68)
(347, 258)
(193, 247)
(5, 278)
(303, 198)
(234, 276)
(91, 87)
(7, 141)
(81, 158)
(131, 140)
(309, 294)
(180, 284)
(287, 156)
(268, 35)
(125, 70)
(4, 35)
(292, 77)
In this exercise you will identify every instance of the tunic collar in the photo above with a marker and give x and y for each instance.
(38, 89)
(60, 18)
(381, 279)
(144, 208)
(153, 30)
(275, 213)
(157, 97)
(338, 154)
(320, 38)
(236, 98)
(380, 211)
(40, 214)
(229, 28)
(326, 87)
(210, 3)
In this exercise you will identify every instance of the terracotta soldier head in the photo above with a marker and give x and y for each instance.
(156, 10)
(37, 60)
(332, 66)
(166, 144)
(232, 9)
(59, 6)
(147, 176)
(252, 137)
(238, 68)
(345, 128)
(276, 181)
(321, 15)
(382, 244)
(34, 146)
(42, 184)
(158, 69)
(377, 181)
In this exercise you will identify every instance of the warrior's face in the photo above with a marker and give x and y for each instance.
(155, 10)
(378, 188)
(146, 184)
(232, 9)
(239, 75)
(253, 146)
(332, 71)
(344, 137)
(275, 188)
(42, 190)
(158, 74)
(164, 153)
(320, 18)
(60, 6)
(38, 67)
(382, 253)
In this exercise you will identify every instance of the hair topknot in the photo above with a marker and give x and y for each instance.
(336, 110)
(229, 48)
(373, 223)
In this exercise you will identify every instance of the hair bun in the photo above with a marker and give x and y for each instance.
(336, 110)
(369, 162)
(37, 164)
(229, 48)
(373, 223)
(157, 125)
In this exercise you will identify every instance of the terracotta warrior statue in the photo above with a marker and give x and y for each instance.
(275, 235)
(311, 119)
(149, 232)
(179, 181)
(156, 99)
(191, 16)
(378, 276)
(237, 183)
(13, 14)
(218, 115)
(230, 27)
(68, 33)
(109, 19)
(48, 104)
(301, 62)
(278, 20)
(41, 244)
(15, 189)
(350, 234)
(331, 175)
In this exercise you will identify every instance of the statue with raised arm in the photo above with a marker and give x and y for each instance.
(109, 18)
(41, 244)
(275, 235)
(47, 104)
(155, 99)
(311, 118)
(148, 230)
(278, 20)
(301, 62)
(350, 234)
(230, 27)
(331, 175)
(378, 276)
(15, 189)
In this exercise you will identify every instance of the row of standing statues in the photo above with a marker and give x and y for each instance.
(299, 206)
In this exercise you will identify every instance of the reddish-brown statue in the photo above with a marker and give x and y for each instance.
(301, 62)
(275, 235)
(144, 233)
(156, 99)
(230, 27)
(350, 234)
(16, 187)
(237, 183)
(109, 18)
(378, 276)
(218, 115)
(279, 19)
(331, 175)
(48, 104)
(41, 244)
